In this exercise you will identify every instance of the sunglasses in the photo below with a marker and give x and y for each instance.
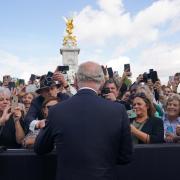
(143, 96)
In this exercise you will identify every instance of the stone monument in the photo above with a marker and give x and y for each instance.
(70, 51)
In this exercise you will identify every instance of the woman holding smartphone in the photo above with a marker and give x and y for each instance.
(11, 121)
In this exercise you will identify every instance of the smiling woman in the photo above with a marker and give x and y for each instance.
(172, 118)
(146, 128)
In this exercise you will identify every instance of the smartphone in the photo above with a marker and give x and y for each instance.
(11, 85)
(14, 102)
(33, 77)
(171, 78)
(110, 72)
(63, 68)
(127, 68)
(131, 114)
(21, 81)
(7, 78)
(154, 76)
(49, 74)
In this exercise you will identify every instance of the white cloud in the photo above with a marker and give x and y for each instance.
(97, 26)
(142, 32)
(16, 67)
(163, 57)
(114, 7)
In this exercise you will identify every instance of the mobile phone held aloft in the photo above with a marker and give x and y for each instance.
(63, 68)
(110, 72)
(14, 102)
(127, 68)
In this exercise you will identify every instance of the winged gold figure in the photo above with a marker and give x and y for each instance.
(69, 39)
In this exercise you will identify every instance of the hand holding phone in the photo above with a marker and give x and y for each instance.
(14, 103)
(127, 69)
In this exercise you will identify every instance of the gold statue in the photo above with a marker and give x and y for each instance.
(69, 39)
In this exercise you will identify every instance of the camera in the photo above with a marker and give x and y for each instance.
(34, 77)
(105, 91)
(49, 76)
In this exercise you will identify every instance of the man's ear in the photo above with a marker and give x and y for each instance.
(76, 83)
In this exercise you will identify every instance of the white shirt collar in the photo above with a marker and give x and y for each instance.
(88, 88)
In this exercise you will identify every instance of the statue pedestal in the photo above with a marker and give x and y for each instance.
(70, 58)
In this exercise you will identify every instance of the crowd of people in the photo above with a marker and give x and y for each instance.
(153, 108)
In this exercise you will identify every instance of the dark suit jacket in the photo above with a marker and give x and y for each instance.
(92, 134)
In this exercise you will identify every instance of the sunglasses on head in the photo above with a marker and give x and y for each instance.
(143, 96)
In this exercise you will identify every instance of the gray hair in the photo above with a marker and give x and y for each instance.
(6, 91)
(173, 97)
(90, 72)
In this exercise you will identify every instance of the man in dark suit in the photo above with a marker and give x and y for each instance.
(92, 134)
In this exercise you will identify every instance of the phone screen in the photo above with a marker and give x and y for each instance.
(127, 67)
(171, 78)
(14, 102)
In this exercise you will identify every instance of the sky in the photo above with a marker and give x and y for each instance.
(144, 33)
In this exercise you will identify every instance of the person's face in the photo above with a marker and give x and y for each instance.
(167, 91)
(173, 108)
(126, 96)
(47, 106)
(140, 78)
(140, 107)
(45, 92)
(53, 91)
(27, 99)
(4, 101)
(113, 89)
(176, 79)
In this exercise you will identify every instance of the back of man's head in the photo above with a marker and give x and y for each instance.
(90, 74)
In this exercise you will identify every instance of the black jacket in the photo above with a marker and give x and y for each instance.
(92, 136)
